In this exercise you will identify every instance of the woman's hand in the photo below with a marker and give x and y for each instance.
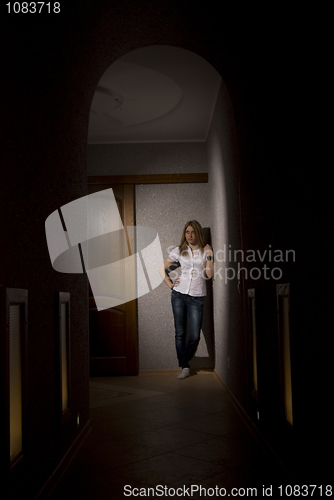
(208, 250)
(165, 277)
(175, 283)
(209, 267)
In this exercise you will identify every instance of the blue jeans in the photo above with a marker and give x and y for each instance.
(186, 310)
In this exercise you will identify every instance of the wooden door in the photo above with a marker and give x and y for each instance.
(113, 338)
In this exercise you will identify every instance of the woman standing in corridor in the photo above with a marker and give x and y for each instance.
(189, 290)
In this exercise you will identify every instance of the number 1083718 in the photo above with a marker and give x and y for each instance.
(305, 491)
(33, 7)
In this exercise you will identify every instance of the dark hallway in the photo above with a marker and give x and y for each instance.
(263, 191)
(157, 430)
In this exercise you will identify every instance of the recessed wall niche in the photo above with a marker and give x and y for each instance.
(64, 358)
(283, 314)
(14, 367)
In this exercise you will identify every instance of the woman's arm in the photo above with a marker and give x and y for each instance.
(209, 270)
(164, 275)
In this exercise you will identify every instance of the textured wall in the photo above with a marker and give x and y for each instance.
(43, 168)
(225, 226)
(166, 207)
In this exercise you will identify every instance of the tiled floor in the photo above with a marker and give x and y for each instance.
(184, 435)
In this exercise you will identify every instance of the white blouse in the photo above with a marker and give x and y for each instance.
(192, 280)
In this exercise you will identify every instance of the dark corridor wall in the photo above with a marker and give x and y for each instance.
(48, 77)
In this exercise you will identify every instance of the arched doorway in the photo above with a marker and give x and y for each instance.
(152, 114)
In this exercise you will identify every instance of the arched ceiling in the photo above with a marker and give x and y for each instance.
(154, 94)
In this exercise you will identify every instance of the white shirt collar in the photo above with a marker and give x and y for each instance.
(196, 247)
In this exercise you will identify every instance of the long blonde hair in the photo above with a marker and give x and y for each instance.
(198, 233)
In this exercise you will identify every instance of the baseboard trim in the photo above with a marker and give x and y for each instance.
(255, 431)
(59, 471)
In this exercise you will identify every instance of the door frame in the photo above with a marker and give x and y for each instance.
(148, 179)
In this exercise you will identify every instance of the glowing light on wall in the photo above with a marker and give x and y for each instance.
(15, 380)
(283, 299)
(64, 356)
